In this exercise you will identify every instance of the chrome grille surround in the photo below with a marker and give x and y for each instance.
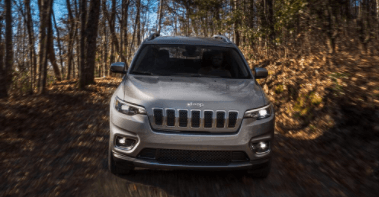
(191, 125)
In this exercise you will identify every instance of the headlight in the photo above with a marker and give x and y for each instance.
(127, 108)
(259, 113)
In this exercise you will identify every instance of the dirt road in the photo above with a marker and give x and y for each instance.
(56, 145)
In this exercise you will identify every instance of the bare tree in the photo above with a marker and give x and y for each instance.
(138, 21)
(51, 53)
(160, 16)
(45, 9)
(113, 33)
(71, 39)
(59, 45)
(125, 27)
(82, 67)
(237, 22)
(91, 37)
(6, 77)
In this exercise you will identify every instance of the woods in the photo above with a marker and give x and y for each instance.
(39, 46)
(322, 58)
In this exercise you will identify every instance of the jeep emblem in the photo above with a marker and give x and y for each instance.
(195, 104)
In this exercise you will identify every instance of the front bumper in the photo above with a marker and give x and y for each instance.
(124, 160)
(138, 127)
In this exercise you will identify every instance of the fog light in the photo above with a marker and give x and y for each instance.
(261, 147)
(125, 143)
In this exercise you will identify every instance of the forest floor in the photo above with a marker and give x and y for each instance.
(326, 139)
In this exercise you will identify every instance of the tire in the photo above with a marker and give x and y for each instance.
(117, 170)
(262, 172)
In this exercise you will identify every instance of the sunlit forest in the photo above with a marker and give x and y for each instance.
(322, 57)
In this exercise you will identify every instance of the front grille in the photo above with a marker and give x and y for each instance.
(183, 116)
(232, 119)
(195, 119)
(208, 119)
(172, 156)
(158, 116)
(220, 119)
(170, 117)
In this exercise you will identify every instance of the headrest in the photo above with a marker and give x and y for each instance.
(163, 53)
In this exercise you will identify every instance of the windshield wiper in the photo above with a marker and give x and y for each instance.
(202, 75)
(185, 75)
(142, 73)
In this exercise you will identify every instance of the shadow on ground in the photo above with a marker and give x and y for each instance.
(56, 145)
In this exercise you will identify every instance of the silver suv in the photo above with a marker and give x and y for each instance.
(190, 103)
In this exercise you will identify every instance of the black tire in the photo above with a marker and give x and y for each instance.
(261, 173)
(117, 170)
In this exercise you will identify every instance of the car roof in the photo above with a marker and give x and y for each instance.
(189, 41)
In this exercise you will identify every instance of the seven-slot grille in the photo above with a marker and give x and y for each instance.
(195, 118)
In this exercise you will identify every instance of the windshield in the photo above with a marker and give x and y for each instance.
(190, 61)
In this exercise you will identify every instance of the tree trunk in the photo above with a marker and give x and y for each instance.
(51, 53)
(125, 30)
(5, 75)
(105, 42)
(112, 31)
(160, 16)
(138, 22)
(76, 67)
(91, 33)
(377, 17)
(45, 7)
(59, 45)
(363, 27)
(329, 27)
(133, 37)
(3, 90)
(236, 24)
(271, 23)
(112, 25)
(70, 41)
(32, 51)
(251, 21)
(82, 67)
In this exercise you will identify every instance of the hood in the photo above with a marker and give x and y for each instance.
(192, 93)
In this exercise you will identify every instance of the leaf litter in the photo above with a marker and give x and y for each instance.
(326, 139)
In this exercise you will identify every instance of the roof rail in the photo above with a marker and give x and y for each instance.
(153, 36)
(221, 37)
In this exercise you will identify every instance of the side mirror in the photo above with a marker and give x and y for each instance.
(118, 67)
(260, 73)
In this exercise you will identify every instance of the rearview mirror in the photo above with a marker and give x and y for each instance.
(260, 73)
(118, 67)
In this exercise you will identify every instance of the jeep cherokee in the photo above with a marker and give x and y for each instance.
(190, 103)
